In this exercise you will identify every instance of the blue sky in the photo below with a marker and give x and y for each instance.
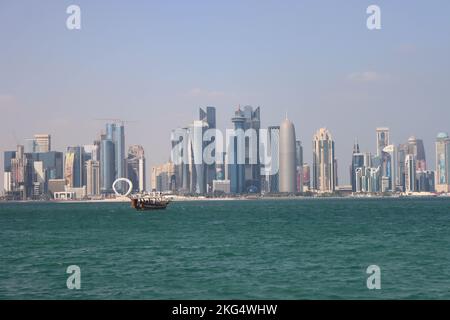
(157, 62)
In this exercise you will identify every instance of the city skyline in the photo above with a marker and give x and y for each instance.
(41, 143)
(318, 63)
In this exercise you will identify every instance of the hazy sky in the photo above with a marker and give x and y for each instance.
(157, 62)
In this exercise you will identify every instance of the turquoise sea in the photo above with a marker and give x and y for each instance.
(255, 249)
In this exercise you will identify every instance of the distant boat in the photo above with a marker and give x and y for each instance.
(149, 202)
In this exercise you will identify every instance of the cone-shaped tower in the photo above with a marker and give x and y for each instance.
(288, 176)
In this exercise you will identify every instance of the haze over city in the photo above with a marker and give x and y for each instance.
(156, 63)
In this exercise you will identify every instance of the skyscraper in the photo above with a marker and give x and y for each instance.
(197, 165)
(410, 173)
(107, 165)
(252, 164)
(288, 161)
(92, 177)
(299, 164)
(115, 132)
(209, 116)
(357, 163)
(402, 152)
(236, 155)
(74, 167)
(271, 169)
(389, 166)
(42, 143)
(442, 181)
(324, 164)
(136, 167)
(382, 140)
(416, 148)
(244, 166)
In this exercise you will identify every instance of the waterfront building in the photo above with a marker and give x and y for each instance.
(389, 168)
(236, 165)
(163, 177)
(270, 178)
(442, 163)
(357, 162)
(324, 164)
(115, 132)
(221, 186)
(402, 152)
(39, 179)
(244, 165)
(410, 173)
(136, 168)
(74, 167)
(306, 177)
(209, 117)
(417, 149)
(425, 181)
(92, 177)
(299, 165)
(56, 185)
(287, 158)
(107, 165)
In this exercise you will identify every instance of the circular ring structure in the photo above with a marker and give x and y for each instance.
(130, 188)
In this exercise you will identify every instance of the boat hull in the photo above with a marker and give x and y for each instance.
(142, 205)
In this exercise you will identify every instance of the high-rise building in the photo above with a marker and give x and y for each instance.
(270, 165)
(357, 162)
(417, 149)
(288, 161)
(382, 140)
(197, 166)
(42, 143)
(115, 132)
(236, 155)
(136, 167)
(389, 167)
(425, 181)
(74, 167)
(38, 180)
(299, 164)
(410, 173)
(19, 174)
(180, 156)
(163, 177)
(92, 177)
(252, 163)
(442, 163)
(324, 164)
(209, 117)
(402, 152)
(7, 181)
(107, 165)
(306, 176)
(244, 165)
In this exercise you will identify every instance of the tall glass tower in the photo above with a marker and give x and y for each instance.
(115, 132)
(107, 165)
(236, 167)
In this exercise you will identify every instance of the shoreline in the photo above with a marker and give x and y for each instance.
(189, 199)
